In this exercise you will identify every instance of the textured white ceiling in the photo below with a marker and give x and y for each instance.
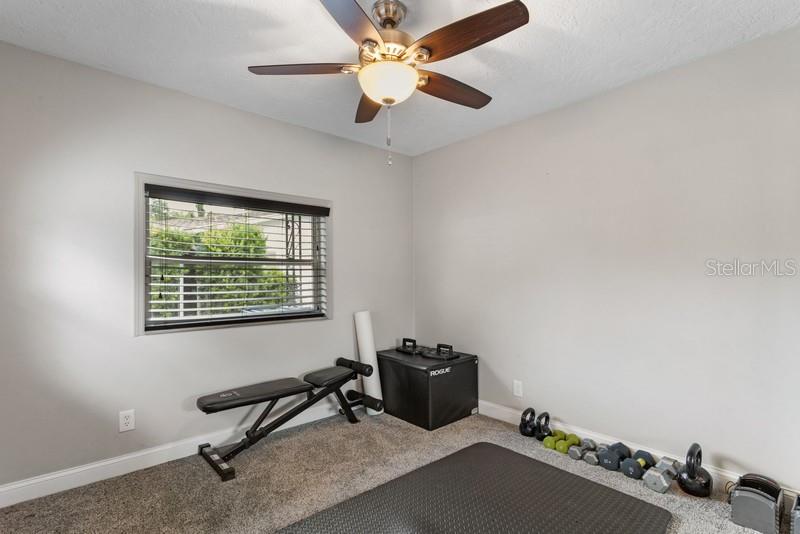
(572, 49)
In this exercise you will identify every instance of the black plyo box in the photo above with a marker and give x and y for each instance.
(427, 392)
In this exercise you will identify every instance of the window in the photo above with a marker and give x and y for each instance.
(219, 259)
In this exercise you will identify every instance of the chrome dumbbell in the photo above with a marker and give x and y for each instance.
(659, 477)
(577, 452)
(592, 457)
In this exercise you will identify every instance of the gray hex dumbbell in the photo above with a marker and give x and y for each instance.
(592, 457)
(576, 452)
(636, 466)
(612, 457)
(659, 477)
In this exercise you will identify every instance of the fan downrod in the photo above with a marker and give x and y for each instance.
(389, 13)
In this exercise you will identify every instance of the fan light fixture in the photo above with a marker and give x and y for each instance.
(392, 64)
(388, 82)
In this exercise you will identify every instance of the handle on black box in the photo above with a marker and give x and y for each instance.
(409, 342)
(441, 347)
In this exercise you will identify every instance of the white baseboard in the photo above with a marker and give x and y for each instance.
(499, 412)
(41, 485)
(510, 415)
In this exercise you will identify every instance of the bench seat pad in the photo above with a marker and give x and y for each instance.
(254, 394)
(326, 377)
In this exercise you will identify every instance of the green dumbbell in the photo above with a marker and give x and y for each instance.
(550, 441)
(563, 445)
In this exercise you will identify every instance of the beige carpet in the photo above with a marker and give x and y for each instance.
(301, 471)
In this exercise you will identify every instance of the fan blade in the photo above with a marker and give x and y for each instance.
(447, 88)
(470, 32)
(367, 109)
(304, 68)
(355, 23)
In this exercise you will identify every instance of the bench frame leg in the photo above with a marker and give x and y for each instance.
(223, 468)
(348, 411)
(218, 457)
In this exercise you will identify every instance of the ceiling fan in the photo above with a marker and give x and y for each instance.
(389, 59)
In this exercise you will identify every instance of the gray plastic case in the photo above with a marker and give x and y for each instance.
(755, 509)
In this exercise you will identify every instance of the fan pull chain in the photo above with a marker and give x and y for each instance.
(389, 135)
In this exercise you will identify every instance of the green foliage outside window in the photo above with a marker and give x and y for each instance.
(235, 286)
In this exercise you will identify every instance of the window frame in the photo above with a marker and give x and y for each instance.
(140, 251)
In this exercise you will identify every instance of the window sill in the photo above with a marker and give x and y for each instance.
(228, 323)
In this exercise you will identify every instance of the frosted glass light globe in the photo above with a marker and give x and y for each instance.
(388, 82)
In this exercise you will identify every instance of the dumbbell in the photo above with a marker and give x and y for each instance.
(636, 466)
(593, 457)
(577, 452)
(563, 445)
(551, 440)
(660, 477)
(692, 478)
(613, 456)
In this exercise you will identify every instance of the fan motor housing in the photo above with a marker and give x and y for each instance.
(396, 41)
(389, 13)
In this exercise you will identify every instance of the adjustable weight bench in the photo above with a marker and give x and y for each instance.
(326, 381)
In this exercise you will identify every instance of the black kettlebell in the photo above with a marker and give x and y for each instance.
(527, 424)
(542, 429)
(692, 478)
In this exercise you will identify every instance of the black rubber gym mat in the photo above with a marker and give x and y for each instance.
(486, 488)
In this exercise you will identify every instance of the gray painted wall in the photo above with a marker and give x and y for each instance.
(570, 252)
(70, 142)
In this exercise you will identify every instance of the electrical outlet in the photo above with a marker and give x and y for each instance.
(127, 420)
(517, 388)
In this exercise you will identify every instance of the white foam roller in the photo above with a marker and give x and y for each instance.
(367, 355)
